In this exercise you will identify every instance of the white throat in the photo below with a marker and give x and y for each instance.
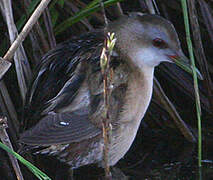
(145, 58)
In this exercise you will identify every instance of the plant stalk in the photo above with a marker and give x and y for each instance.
(197, 97)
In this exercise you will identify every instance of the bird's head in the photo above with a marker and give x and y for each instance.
(147, 40)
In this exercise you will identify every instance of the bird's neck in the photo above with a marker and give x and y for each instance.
(138, 96)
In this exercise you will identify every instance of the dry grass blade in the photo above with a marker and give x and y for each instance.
(4, 66)
(150, 6)
(41, 35)
(207, 16)
(25, 30)
(49, 27)
(163, 99)
(9, 109)
(201, 58)
(38, 40)
(22, 69)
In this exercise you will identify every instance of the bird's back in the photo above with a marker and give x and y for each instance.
(55, 69)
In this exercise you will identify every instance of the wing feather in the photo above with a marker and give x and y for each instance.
(60, 128)
(58, 77)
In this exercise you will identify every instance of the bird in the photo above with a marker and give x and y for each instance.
(65, 103)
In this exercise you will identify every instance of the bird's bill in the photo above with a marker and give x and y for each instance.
(183, 62)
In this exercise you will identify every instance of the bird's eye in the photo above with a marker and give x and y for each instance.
(160, 43)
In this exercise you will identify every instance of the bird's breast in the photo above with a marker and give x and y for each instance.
(137, 99)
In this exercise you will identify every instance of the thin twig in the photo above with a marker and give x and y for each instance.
(28, 26)
(5, 139)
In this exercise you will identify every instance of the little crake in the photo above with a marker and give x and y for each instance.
(64, 106)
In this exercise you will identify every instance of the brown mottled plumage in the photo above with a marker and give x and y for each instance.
(63, 111)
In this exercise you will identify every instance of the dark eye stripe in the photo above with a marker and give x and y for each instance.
(160, 43)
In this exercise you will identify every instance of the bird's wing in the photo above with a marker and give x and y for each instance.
(63, 101)
(57, 72)
(60, 128)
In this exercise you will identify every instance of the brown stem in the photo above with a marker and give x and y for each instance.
(6, 140)
(106, 117)
(106, 126)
